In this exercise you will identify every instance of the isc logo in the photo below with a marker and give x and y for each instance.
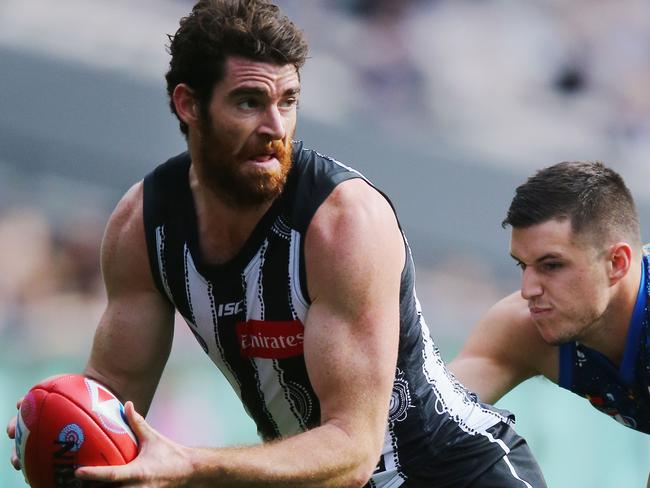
(226, 309)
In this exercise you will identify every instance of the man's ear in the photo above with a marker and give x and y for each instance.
(620, 260)
(186, 104)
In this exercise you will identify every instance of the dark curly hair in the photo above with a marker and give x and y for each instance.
(593, 196)
(216, 29)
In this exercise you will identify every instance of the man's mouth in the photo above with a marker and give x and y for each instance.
(263, 158)
(536, 311)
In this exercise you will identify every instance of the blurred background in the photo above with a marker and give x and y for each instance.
(445, 104)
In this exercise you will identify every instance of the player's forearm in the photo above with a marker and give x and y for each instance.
(323, 457)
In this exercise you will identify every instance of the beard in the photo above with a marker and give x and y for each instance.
(237, 184)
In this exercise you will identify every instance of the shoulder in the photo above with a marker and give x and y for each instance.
(127, 217)
(511, 316)
(506, 327)
(509, 329)
(311, 182)
(124, 251)
(511, 311)
(353, 237)
(354, 205)
(319, 169)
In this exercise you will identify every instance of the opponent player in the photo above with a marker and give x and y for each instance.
(581, 317)
(291, 271)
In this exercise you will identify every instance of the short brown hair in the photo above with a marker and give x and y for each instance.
(593, 196)
(216, 29)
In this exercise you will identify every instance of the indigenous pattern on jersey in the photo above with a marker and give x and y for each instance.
(249, 314)
(622, 393)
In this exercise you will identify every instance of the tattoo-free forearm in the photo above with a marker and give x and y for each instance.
(326, 456)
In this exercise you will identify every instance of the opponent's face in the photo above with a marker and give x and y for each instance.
(245, 139)
(564, 280)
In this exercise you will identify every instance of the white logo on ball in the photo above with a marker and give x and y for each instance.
(108, 410)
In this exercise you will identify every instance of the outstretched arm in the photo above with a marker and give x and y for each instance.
(503, 350)
(354, 257)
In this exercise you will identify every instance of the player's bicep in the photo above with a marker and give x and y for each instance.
(349, 361)
(130, 349)
(354, 257)
(134, 335)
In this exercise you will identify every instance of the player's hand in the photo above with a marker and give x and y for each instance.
(160, 462)
(11, 432)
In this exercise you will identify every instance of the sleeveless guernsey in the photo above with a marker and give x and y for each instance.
(248, 315)
(621, 393)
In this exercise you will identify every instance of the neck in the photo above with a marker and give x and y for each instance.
(223, 228)
(610, 336)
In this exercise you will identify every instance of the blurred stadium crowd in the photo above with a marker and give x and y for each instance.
(513, 84)
(500, 80)
(498, 83)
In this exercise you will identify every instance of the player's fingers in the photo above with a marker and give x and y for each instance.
(107, 474)
(138, 424)
(14, 460)
(11, 428)
(11, 432)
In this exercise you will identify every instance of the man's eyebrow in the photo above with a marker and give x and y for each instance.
(247, 90)
(254, 91)
(291, 91)
(550, 255)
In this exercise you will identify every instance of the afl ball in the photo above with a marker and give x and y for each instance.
(66, 422)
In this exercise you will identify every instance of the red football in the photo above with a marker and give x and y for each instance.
(66, 422)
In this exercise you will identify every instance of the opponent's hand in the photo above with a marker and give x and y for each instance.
(11, 432)
(160, 462)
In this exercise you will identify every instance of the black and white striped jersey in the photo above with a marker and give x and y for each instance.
(248, 315)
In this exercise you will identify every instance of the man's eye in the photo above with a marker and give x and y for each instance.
(552, 266)
(520, 265)
(289, 102)
(248, 103)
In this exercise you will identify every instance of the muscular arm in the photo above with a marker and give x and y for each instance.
(133, 338)
(134, 335)
(354, 256)
(503, 350)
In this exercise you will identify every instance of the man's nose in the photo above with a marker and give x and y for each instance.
(273, 124)
(530, 284)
